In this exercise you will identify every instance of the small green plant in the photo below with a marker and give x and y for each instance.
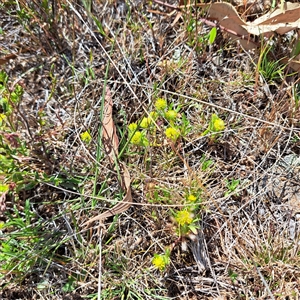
(174, 125)
(42, 18)
(70, 285)
(158, 194)
(185, 222)
(196, 40)
(271, 70)
(233, 276)
(232, 186)
(205, 163)
(161, 261)
(25, 246)
(185, 219)
(216, 125)
(296, 95)
(295, 139)
(13, 152)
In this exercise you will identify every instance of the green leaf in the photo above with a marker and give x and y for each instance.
(70, 285)
(296, 49)
(3, 78)
(100, 27)
(3, 188)
(212, 35)
(193, 229)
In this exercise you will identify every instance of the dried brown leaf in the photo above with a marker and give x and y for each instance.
(5, 59)
(110, 141)
(109, 137)
(278, 21)
(290, 14)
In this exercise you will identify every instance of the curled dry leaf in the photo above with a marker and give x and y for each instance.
(110, 142)
(228, 17)
(294, 63)
(281, 21)
(109, 136)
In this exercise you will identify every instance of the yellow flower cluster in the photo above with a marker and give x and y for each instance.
(184, 217)
(137, 138)
(191, 198)
(2, 117)
(172, 133)
(132, 127)
(217, 124)
(160, 104)
(171, 115)
(146, 122)
(139, 130)
(159, 262)
(85, 137)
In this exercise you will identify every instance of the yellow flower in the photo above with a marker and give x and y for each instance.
(218, 125)
(171, 115)
(192, 198)
(160, 104)
(161, 261)
(172, 133)
(85, 137)
(2, 118)
(137, 138)
(132, 127)
(146, 122)
(184, 217)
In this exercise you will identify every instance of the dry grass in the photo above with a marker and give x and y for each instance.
(247, 245)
